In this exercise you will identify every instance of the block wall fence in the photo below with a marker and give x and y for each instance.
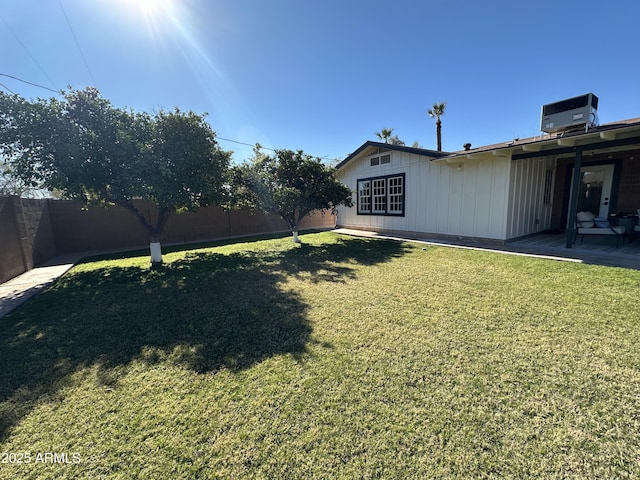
(34, 231)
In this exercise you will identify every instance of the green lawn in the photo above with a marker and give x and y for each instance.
(342, 358)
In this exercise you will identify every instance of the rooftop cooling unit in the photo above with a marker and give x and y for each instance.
(570, 113)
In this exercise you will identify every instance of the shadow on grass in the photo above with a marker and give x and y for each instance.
(206, 312)
(183, 247)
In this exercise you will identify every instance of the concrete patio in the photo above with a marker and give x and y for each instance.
(593, 250)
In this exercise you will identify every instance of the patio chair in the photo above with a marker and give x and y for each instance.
(588, 224)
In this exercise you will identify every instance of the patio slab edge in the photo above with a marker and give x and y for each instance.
(515, 248)
(18, 290)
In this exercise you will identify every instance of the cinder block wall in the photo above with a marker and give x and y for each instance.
(84, 230)
(26, 235)
(11, 259)
(35, 231)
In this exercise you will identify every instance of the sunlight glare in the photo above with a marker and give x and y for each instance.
(149, 8)
(154, 13)
(182, 31)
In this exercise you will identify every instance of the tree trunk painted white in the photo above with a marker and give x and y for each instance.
(295, 237)
(156, 252)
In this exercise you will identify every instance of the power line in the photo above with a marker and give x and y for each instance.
(7, 88)
(326, 157)
(28, 52)
(77, 43)
(30, 83)
(243, 143)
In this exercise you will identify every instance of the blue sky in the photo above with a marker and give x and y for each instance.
(324, 75)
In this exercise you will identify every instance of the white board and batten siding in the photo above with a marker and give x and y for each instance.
(530, 196)
(468, 199)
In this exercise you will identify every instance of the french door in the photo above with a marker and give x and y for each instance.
(594, 191)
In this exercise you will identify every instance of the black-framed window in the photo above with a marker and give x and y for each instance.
(379, 195)
(364, 196)
(380, 159)
(382, 195)
(395, 187)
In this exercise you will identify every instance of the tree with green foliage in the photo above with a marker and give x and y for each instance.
(89, 150)
(289, 184)
(436, 112)
(11, 184)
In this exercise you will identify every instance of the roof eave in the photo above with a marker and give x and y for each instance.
(388, 146)
(530, 149)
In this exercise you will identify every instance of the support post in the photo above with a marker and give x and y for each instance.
(573, 202)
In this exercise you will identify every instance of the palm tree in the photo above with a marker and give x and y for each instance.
(395, 140)
(436, 112)
(385, 134)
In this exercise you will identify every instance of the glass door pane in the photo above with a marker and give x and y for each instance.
(595, 189)
(590, 192)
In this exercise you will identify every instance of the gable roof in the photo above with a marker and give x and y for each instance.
(622, 132)
(382, 147)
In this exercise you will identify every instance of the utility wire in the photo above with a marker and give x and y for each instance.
(326, 157)
(217, 137)
(7, 88)
(77, 43)
(243, 143)
(28, 52)
(30, 83)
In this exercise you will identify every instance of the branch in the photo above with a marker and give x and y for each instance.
(137, 213)
(163, 218)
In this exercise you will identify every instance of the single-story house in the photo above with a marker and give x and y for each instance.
(495, 193)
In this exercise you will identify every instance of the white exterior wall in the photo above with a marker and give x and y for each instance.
(439, 198)
(529, 213)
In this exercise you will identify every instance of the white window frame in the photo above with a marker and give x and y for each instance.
(395, 194)
(364, 196)
(379, 195)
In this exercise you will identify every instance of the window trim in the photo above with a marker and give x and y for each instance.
(386, 212)
(380, 158)
(379, 196)
(359, 196)
(398, 198)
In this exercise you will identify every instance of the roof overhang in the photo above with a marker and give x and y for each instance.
(592, 144)
(371, 148)
(609, 138)
(484, 155)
